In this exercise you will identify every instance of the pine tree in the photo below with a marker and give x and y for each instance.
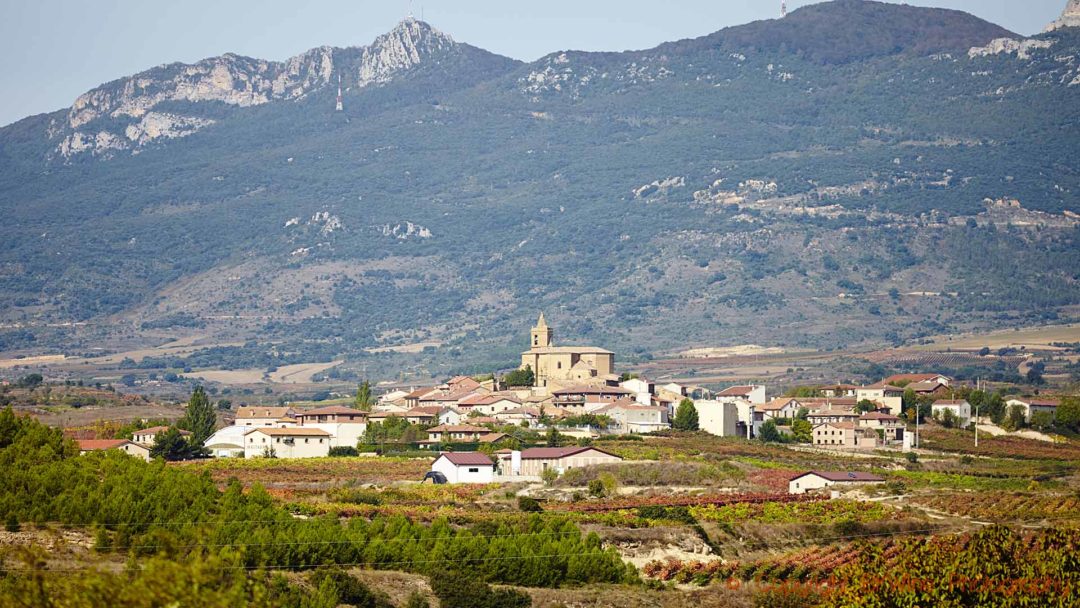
(172, 446)
(363, 396)
(771, 434)
(686, 416)
(200, 418)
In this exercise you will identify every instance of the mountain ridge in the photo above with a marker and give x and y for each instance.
(645, 198)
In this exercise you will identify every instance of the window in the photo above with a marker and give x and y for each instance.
(474, 470)
(306, 440)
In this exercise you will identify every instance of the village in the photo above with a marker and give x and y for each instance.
(553, 413)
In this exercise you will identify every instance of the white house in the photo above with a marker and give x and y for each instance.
(227, 442)
(345, 425)
(838, 435)
(1034, 406)
(532, 462)
(488, 405)
(718, 418)
(891, 427)
(959, 407)
(784, 407)
(128, 447)
(890, 396)
(465, 467)
(635, 418)
(754, 393)
(148, 436)
(642, 389)
(293, 442)
(817, 480)
(258, 415)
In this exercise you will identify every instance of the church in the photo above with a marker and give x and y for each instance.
(557, 366)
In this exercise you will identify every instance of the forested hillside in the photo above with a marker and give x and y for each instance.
(856, 171)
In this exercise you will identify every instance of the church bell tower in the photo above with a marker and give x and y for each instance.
(542, 335)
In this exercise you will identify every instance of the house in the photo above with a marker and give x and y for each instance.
(128, 447)
(297, 442)
(1034, 406)
(456, 433)
(465, 467)
(148, 436)
(927, 388)
(817, 480)
(844, 435)
(551, 363)
(425, 414)
(518, 415)
(582, 399)
(718, 418)
(493, 438)
(674, 388)
(755, 394)
(828, 416)
(393, 397)
(891, 427)
(489, 404)
(259, 415)
(443, 398)
(839, 390)
(464, 384)
(784, 407)
(533, 462)
(227, 442)
(345, 425)
(632, 417)
(412, 398)
(641, 389)
(892, 397)
(907, 379)
(960, 409)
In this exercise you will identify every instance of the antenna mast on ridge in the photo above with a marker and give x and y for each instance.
(783, 9)
(340, 102)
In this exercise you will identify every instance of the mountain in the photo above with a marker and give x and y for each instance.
(1070, 17)
(857, 172)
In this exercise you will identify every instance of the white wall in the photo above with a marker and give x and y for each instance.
(302, 447)
(465, 473)
(806, 483)
(717, 417)
(342, 434)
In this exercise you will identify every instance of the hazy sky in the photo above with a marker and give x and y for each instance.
(54, 50)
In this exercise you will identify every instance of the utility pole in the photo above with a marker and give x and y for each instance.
(976, 425)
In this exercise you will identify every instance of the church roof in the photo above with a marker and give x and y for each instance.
(571, 350)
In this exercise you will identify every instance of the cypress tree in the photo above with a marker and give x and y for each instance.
(686, 416)
(200, 418)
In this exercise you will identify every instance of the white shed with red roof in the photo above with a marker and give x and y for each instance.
(465, 467)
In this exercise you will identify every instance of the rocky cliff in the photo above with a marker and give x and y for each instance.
(122, 115)
(1070, 17)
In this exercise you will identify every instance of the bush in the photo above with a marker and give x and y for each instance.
(350, 590)
(344, 450)
(417, 600)
(788, 596)
(596, 488)
(529, 505)
(911, 457)
(12, 523)
(356, 496)
(458, 590)
(549, 476)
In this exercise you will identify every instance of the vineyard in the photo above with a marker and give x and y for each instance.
(271, 471)
(716, 500)
(810, 565)
(997, 447)
(802, 512)
(993, 567)
(1004, 506)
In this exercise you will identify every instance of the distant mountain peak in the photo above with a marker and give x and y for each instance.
(408, 45)
(1070, 17)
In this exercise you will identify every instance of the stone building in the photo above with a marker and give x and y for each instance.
(563, 364)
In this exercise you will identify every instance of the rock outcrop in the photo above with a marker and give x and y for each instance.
(121, 115)
(1070, 17)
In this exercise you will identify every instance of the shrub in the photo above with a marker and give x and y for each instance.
(458, 590)
(12, 523)
(356, 496)
(350, 590)
(549, 476)
(344, 450)
(911, 457)
(788, 596)
(596, 488)
(529, 505)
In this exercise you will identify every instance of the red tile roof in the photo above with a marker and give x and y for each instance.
(912, 378)
(593, 390)
(464, 459)
(154, 430)
(457, 428)
(736, 391)
(331, 410)
(555, 453)
(100, 444)
(290, 432)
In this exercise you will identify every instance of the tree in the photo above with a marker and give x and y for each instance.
(172, 446)
(1042, 420)
(686, 416)
(363, 396)
(948, 419)
(554, 440)
(802, 431)
(771, 434)
(1014, 419)
(865, 405)
(1068, 413)
(30, 381)
(520, 377)
(200, 417)
(224, 405)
